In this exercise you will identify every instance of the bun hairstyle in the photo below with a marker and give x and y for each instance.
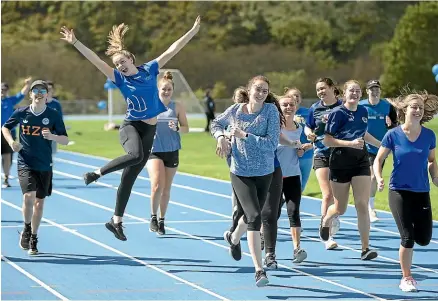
(240, 95)
(115, 41)
(168, 77)
(402, 102)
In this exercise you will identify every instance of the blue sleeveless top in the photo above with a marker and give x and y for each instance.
(166, 139)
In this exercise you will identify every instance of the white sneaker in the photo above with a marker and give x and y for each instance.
(408, 284)
(335, 226)
(373, 216)
(299, 256)
(330, 244)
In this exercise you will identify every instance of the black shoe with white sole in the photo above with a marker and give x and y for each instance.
(261, 278)
(368, 254)
(235, 250)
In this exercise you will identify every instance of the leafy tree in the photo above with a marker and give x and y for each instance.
(412, 52)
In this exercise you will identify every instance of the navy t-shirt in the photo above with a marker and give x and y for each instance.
(410, 159)
(141, 92)
(36, 153)
(316, 120)
(347, 125)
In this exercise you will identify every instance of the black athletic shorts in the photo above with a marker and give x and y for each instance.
(345, 175)
(320, 162)
(170, 159)
(34, 180)
(6, 149)
(372, 157)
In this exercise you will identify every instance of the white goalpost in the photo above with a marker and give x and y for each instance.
(183, 92)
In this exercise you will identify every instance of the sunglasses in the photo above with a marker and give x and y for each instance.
(41, 91)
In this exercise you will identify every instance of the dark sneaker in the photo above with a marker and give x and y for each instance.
(299, 256)
(153, 225)
(161, 230)
(261, 279)
(90, 177)
(235, 250)
(262, 240)
(33, 250)
(6, 184)
(368, 254)
(270, 262)
(25, 238)
(324, 232)
(117, 229)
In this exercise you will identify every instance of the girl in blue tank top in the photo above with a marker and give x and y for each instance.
(413, 150)
(138, 85)
(164, 159)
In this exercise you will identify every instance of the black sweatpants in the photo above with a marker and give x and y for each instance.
(412, 213)
(136, 138)
(251, 193)
(292, 198)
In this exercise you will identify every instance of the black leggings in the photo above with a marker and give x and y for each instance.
(269, 212)
(137, 138)
(251, 193)
(292, 198)
(413, 215)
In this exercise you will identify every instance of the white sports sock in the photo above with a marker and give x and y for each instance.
(371, 203)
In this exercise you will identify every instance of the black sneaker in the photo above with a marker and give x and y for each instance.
(324, 232)
(33, 250)
(153, 225)
(25, 238)
(270, 262)
(261, 278)
(262, 240)
(235, 250)
(368, 254)
(90, 177)
(161, 230)
(6, 183)
(117, 229)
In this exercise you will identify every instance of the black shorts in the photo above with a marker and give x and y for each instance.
(345, 175)
(320, 162)
(6, 149)
(372, 157)
(34, 180)
(170, 159)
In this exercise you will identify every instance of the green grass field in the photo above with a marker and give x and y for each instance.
(198, 155)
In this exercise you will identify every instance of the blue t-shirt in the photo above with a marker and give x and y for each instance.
(8, 104)
(36, 153)
(377, 126)
(300, 117)
(344, 124)
(410, 159)
(316, 120)
(141, 92)
(347, 125)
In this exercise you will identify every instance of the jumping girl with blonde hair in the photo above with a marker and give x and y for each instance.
(138, 84)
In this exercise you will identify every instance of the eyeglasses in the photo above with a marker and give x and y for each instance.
(41, 91)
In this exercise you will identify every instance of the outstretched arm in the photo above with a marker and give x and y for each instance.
(69, 36)
(179, 44)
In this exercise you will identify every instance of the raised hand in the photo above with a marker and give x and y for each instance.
(68, 35)
(197, 24)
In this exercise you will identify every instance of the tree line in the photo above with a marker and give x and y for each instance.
(293, 43)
